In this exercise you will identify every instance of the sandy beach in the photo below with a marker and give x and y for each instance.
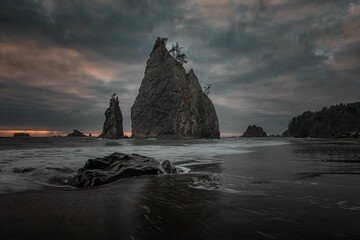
(291, 191)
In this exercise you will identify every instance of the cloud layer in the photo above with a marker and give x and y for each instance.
(267, 60)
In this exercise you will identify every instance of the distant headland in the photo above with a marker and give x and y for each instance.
(337, 121)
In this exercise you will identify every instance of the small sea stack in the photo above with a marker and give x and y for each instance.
(254, 131)
(21, 134)
(113, 125)
(76, 133)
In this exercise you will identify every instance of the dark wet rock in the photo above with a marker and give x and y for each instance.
(254, 131)
(171, 103)
(169, 167)
(76, 133)
(21, 135)
(108, 169)
(339, 121)
(113, 125)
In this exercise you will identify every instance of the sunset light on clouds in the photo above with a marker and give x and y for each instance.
(267, 60)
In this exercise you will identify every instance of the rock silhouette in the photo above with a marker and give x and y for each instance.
(113, 125)
(108, 169)
(254, 131)
(171, 103)
(76, 133)
(341, 120)
(21, 135)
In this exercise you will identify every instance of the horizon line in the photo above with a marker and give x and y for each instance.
(51, 133)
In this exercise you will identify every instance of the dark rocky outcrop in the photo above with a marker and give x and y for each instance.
(113, 125)
(171, 103)
(76, 133)
(21, 135)
(169, 167)
(108, 169)
(254, 131)
(336, 121)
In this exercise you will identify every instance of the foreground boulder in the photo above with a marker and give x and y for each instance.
(113, 125)
(171, 103)
(254, 131)
(76, 133)
(108, 169)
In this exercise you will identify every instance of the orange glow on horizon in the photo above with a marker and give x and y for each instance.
(33, 133)
(47, 133)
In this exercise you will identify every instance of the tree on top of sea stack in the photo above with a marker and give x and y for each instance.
(113, 128)
(171, 102)
(177, 53)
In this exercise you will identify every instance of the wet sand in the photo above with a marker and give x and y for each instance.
(292, 191)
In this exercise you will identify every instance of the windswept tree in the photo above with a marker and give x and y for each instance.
(206, 90)
(164, 41)
(177, 53)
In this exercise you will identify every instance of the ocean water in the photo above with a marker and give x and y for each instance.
(231, 188)
(33, 163)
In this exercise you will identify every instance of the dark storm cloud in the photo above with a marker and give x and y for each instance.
(114, 29)
(276, 59)
(268, 60)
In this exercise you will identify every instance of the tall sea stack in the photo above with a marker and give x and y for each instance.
(113, 128)
(171, 103)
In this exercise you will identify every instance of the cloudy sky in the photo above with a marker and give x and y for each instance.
(268, 60)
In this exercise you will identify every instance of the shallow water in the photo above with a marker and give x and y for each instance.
(235, 188)
(31, 163)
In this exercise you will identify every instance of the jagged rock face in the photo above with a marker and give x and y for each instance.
(108, 169)
(171, 103)
(113, 128)
(254, 131)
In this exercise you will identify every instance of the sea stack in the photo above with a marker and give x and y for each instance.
(171, 103)
(113, 125)
(21, 134)
(254, 131)
(76, 133)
